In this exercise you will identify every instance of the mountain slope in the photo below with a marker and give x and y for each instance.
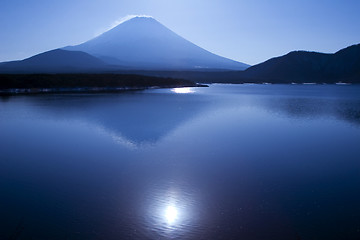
(54, 61)
(301, 66)
(144, 43)
(345, 63)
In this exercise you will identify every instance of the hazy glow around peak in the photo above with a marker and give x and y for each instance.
(120, 21)
(127, 18)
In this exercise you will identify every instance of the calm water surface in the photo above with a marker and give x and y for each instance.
(224, 162)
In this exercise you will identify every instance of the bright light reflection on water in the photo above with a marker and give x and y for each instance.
(183, 90)
(171, 214)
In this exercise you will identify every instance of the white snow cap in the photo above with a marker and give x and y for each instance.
(127, 18)
(119, 21)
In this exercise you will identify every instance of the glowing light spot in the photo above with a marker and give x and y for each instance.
(182, 90)
(171, 214)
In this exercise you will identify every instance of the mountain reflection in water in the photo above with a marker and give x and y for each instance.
(224, 162)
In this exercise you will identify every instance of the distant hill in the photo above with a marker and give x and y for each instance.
(143, 43)
(302, 66)
(55, 61)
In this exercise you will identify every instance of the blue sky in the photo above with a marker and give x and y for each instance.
(249, 31)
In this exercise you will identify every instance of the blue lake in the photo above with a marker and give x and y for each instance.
(224, 162)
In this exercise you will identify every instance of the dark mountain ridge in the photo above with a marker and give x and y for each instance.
(55, 61)
(302, 66)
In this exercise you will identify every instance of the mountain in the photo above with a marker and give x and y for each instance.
(144, 43)
(57, 60)
(302, 66)
(143, 46)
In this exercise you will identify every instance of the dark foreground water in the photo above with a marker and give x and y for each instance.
(224, 162)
